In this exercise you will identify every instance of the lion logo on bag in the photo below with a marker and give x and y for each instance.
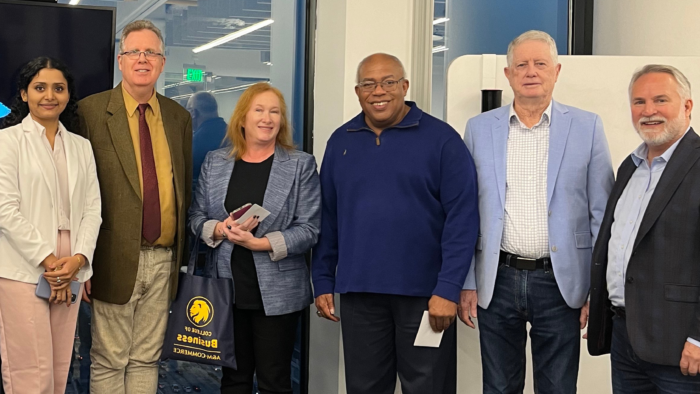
(200, 311)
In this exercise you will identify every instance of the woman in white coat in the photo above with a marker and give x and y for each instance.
(49, 221)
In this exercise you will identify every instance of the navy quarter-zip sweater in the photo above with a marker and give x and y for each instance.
(400, 213)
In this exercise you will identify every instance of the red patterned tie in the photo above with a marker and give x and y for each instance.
(150, 227)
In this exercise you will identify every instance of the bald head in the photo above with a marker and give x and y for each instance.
(202, 106)
(379, 58)
(204, 102)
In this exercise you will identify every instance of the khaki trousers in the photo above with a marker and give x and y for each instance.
(36, 338)
(127, 339)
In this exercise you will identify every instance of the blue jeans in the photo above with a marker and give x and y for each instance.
(635, 376)
(522, 297)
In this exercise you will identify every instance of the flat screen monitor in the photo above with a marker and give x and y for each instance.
(81, 37)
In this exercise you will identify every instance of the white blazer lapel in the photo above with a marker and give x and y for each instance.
(72, 160)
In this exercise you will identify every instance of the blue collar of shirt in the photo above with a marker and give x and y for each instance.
(411, 119)
(640, 154)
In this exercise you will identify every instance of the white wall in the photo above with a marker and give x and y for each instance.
(329, 83)
(646, 27)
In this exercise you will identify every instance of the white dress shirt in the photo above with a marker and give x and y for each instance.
(525, 231)
(58, 153)
(628, 216)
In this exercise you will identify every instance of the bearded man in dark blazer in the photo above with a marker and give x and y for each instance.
(645, 277)
(142, 143)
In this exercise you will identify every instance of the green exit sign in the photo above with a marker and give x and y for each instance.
(194, 75)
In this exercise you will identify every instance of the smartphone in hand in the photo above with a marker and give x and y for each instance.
(43, 289)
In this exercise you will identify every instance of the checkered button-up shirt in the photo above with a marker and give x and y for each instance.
(525, 230)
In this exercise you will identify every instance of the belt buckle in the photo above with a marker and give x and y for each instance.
(527, 264)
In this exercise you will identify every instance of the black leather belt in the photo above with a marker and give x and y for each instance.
(619, 311)
(522, 263)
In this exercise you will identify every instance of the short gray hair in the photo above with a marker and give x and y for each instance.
(138, 26)
(533, 35)
(391, 57)
(681, 80)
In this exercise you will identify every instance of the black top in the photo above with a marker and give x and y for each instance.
(247, 185)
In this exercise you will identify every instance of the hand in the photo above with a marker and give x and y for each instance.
(66, 269)
(61, 296)
(53, 296)
(250, 224)
(219, 231)
(87, 290)
(442, 313)
(240, 234)
(583, 319)
(690, 359)
(326, 305)
(48, 261)
(468, 300)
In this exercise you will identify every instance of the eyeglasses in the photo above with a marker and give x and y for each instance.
(135, 54)
(388, 86)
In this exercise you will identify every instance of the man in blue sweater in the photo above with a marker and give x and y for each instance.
(399, 224)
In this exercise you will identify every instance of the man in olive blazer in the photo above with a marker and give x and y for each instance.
(104, 123)
(142, 143)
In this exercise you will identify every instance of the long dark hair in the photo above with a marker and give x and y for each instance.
(19, 109)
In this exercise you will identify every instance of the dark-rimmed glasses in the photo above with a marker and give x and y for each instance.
(388, 86)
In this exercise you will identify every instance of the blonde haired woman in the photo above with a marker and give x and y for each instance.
(265, 259)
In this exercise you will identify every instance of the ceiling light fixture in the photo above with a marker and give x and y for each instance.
(176, 84)
(440, 20)
(74, 2)
(233, 36)
(440, 48)
(235, 88)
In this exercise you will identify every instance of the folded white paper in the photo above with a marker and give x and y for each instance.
(255, 210)
(426, 337)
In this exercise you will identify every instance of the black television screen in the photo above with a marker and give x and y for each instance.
(81, 37)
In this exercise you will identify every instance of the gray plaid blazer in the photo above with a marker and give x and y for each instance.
(293, 197)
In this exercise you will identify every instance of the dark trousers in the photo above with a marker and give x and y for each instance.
(378, 335)
(84, 322)
(264, 347)
(522, 297)
(631, 375)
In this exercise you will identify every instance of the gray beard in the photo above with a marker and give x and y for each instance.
(672, 128)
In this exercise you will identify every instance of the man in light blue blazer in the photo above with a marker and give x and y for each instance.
(544, 175)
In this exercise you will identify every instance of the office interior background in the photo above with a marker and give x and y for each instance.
(309, 49)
